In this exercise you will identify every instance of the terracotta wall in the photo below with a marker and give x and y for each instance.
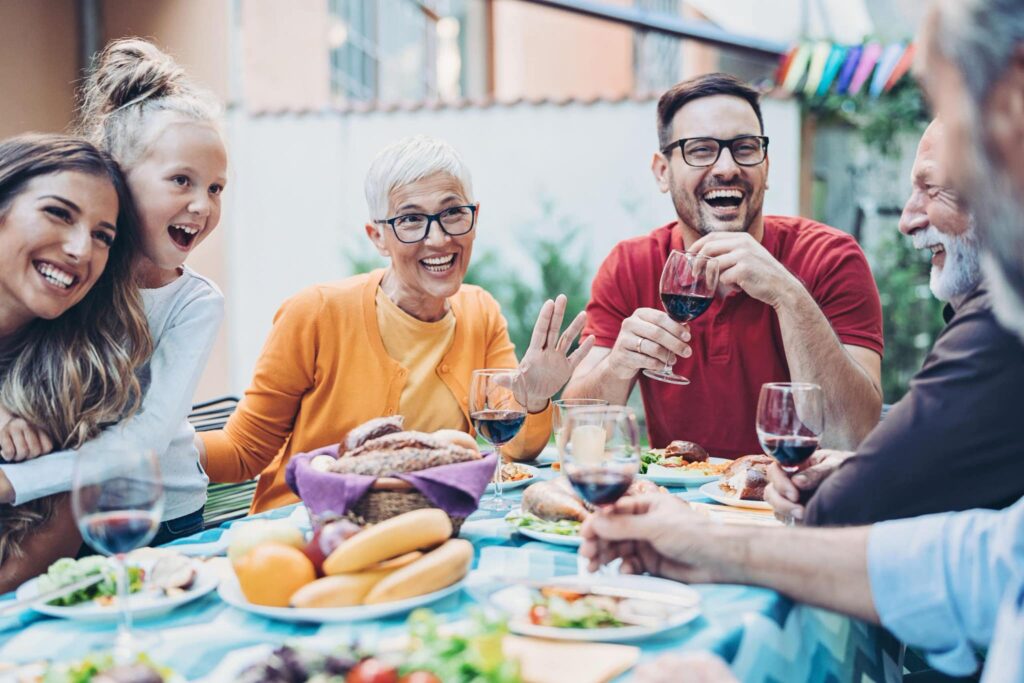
(541, 52)
(38, 65)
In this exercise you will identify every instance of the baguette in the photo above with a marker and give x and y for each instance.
(341, 590)
(437, 569)
(399, 535)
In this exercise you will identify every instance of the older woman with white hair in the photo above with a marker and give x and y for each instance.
(401, 340)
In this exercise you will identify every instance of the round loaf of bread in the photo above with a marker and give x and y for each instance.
(456, 437)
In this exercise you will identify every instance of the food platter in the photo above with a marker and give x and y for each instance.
(532, 471)
(534, 528)
(517, 602)
(231, 593)
(713, 490)
(149, 602)
(691, 475)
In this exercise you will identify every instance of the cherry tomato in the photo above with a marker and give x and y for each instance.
(372, 671)
(419, 677)
(538, 615)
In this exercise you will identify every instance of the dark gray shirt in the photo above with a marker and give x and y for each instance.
(954, 442)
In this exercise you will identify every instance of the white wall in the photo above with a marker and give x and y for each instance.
(297, 204)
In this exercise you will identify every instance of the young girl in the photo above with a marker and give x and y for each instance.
(72, 327)
(139, 107)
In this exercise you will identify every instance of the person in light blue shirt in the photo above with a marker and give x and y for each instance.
(950, 584)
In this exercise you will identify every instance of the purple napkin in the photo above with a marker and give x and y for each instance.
(456, 489)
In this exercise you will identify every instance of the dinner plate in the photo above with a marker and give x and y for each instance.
(231, 593)
(554, 539)
(534, 473)
(142, 605)
(516, 601)
(714, 491)
(674, 476)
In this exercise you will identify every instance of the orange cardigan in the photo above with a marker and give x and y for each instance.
(324, 370)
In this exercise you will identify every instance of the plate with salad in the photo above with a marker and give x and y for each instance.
(562, 532)
(609, 608)
(665, 468)
(158, 581)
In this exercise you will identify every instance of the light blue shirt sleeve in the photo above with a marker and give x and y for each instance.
(939, 581)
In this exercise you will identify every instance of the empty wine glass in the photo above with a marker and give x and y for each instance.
(558, 417)
(118, 501)
(497, 406)
(790, 421)
(688, 284)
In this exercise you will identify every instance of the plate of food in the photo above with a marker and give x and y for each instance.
(159, 581)
(742, 484)
(597, 607)
(515, 475)
(364, 572)
(95, 667)
(551, 511)
(681, 463)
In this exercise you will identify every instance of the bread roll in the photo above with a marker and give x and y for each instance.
(372, 429)
(396, 536)
(385, 462)
(437, 569)
(456, 437)
(342, 590)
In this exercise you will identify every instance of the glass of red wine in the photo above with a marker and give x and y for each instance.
(600, 451)
(790, 421)
(688, 284)
(118, 501)
(497, 406)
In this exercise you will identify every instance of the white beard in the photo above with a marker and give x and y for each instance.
(961, 271)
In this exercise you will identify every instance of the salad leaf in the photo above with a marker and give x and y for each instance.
(563, 527)
(649, 458)
(471, 656)
(85, 670)
(66, 571)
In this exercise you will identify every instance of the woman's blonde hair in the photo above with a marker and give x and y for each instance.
(76, 373)
(130, 82)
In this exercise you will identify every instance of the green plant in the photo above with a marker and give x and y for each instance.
(911, 316)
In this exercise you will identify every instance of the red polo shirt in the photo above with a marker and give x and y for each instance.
(737, 344)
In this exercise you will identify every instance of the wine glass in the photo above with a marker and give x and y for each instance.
(558, 417)
(688, 284)
(118, 500)
(601, 453)
(790, 421)
(497, 406)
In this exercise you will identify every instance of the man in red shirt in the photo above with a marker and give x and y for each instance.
(796, 299)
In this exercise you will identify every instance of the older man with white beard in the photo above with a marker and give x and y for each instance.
(951, 442)
(951, 584)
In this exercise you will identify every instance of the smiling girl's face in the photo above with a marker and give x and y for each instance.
(177, 187)
(55, 238)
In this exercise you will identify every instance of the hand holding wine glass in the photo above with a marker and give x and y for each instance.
(497, 406)
(688, 284)
(790, 422)
(118, 501)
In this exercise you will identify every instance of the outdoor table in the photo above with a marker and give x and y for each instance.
(763, 635)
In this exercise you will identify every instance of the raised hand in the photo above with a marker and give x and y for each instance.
(20, 440)
(547, 365)
(787, 493)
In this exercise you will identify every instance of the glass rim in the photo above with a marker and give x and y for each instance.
(582, 402)
(602, 409)
(791, 385)
(691, 255)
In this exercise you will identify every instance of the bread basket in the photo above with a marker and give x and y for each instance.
(390, 497)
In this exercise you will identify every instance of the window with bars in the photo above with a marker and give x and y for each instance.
(400, 50)
(656, 56)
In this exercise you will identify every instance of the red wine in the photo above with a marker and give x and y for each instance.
(684, 307)
(600, 487)
(790, 451)
(118, 532)
(498, 427)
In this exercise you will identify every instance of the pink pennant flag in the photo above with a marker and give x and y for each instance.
(871, 53)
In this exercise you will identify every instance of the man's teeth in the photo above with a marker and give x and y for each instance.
(55, 275)
(937, 249)
(438, 264)
(723, 194)
(187, 229)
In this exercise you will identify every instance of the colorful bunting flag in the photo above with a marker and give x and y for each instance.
(872, 51)
(819, 57)
(835, 61)
(902, 67)
(815, 69)
(886, 64)
(797, 69)
(846, 75)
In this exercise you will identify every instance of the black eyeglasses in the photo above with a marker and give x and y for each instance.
(746, 150)
(414, 227)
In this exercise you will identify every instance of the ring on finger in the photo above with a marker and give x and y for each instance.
(639, 345)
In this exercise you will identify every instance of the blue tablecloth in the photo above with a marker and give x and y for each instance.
(764, 636)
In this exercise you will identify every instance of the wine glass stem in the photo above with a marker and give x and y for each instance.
(498, 482)
(123, 647)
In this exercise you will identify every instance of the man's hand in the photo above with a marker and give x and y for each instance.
(649, 339)
(655, 533)
(547, 364)
(20, 440)
(744, 264)
(788, 493)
